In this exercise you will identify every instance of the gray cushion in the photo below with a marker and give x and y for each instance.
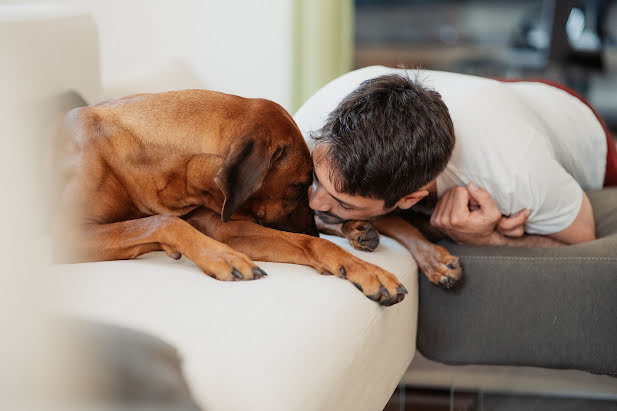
(546, 307)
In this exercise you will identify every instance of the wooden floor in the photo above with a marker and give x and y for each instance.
(418, 399)
(409, 399)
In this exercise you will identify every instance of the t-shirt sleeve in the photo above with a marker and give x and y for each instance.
(545, 188)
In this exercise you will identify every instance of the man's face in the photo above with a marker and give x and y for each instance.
(334, 207)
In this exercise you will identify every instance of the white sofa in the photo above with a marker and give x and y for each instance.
(295, 340)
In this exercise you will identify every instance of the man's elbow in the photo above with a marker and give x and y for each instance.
(589, 235)
(578, 235)
(583, 229)
(584, 237)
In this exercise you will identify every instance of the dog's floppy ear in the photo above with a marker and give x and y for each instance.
(242, 173)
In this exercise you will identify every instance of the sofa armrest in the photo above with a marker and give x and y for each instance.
(547, 307)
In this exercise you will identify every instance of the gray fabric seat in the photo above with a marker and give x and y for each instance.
(545, 307)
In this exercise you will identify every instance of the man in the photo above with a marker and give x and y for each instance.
(514, 174)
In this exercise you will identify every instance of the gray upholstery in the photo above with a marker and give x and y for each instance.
(546, 307)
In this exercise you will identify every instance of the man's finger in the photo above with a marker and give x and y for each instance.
(517, 220)
(488, 208)
(448, 207)
(515, 232)
(437, 211)
(473, 204)
(479, 194)
(440, 215)
(459, 211)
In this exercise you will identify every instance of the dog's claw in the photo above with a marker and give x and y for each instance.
(236, 273)
(402, 290)
(343, 272)
(447, 282)
(175, 255)
(258, 271)
(393, 300)
(375, 297)
(358, 286)
(383, 291)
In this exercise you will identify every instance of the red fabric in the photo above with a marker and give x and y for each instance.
(610, 176)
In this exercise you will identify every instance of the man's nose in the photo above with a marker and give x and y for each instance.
(319, 199)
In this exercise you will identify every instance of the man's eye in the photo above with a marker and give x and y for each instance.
(344, 207)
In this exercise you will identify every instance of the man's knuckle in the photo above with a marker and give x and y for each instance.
(506, 224)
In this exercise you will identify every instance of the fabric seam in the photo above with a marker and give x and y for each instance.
(486, 257)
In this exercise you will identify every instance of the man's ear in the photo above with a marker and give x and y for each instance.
(242, 173)
(411, 199)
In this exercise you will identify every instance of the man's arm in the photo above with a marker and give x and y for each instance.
(582, 228)
(484, 224)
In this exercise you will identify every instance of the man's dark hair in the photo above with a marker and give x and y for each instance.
(387, 138)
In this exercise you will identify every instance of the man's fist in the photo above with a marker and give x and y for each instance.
(468, 215)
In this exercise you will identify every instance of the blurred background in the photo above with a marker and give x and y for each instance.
(572, 42)
(285, 50)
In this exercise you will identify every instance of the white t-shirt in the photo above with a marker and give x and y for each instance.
(530, 145)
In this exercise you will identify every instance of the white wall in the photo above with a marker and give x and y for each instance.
(242, 47)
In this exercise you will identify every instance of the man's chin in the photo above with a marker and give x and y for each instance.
(329, 219)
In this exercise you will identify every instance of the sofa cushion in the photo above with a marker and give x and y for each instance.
(547, 307)
(295, 340)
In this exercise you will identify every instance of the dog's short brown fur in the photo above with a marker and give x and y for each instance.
(203, 174)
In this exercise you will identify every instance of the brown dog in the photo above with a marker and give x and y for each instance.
(203, 174)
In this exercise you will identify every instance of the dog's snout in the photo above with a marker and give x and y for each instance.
(301, 220)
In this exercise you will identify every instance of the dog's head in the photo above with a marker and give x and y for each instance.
(266, 175)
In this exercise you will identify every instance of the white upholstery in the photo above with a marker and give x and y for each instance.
(47, 51)
(295, 340)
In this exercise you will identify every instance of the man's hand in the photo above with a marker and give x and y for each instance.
(513, 226)
(468, 215)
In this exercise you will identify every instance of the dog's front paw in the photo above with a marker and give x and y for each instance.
(374, 282)
(224, 263)
(361, 235)
(440, 267)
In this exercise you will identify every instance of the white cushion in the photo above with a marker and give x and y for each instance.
(295, 340)
(46, 51)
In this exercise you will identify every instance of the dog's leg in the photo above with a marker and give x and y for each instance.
(266, 244)
(360, 234)
(132, 238)
(437, 264)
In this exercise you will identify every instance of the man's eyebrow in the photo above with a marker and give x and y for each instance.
(333, 196)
